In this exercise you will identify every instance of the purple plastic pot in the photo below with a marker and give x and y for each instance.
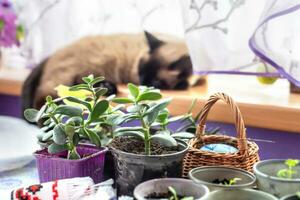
(55, 166)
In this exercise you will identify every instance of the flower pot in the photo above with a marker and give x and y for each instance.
(56, 166)
(267, 180)
(239, 194)
(132, 169)
(160, 186)
(206, 175)
(290, 197)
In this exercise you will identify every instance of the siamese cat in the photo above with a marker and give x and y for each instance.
(142, 59)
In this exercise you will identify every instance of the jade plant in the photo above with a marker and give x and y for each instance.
(64, 126)
(174, 195)
(288, 172)
(146, 105)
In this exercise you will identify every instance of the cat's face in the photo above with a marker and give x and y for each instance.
(168, 65)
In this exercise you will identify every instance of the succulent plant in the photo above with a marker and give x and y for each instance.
(64, 126)
(146, 105)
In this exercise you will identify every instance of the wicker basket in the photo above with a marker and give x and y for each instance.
(245, 158)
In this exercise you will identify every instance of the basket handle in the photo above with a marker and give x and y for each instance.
(239, 123)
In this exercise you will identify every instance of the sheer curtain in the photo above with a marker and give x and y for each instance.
(51, 24)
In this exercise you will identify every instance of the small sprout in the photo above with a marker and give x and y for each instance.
(233, 181)
(174, 195)
(289, 171)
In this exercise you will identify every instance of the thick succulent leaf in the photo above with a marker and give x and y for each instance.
(93, 137)
(122, 100)
(183, 135)
(73, 155)
(159, 106)
(164, 139)
(133, 128)
(31, 115)
(75, 120)
(135, 134)
(79, 87)
(69, 131)
(134, 108)
(59, 135)
(100, 92)
(151, 117)
(56, 148)
(99, 109)
(134, 90)
(76, 138)
(67, 110)
(41, 112)
(47, 135)
(81, 102)
(163, 116)
(97, 80)
(149, 96)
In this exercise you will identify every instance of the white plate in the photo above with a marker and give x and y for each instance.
(17, 143)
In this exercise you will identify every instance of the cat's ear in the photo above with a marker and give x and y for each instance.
(153, 42)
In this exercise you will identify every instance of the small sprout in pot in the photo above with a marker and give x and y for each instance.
(289, 171)
(227, 182)
(174, 195)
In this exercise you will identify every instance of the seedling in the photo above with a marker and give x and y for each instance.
(174, 195)
(146, 105)
(289, 171)
(227, 182)
(64, 126)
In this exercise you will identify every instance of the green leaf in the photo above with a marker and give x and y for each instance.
(79, 87)
(133, 89)
(97, 80)
(162, 116)
(70, 111)
(59, 135)
(76, 138)
(183, 135)
(69, 130)
(133, 128)
(122, 100)
(134, 108)
(135, 134)
(79, 101)
(160, 105)
(87, 79)
(100, 92)
(149, 96)
(99, 109)
(176, 118)
(76, 120)
(41, 112)
(47, 135)
(151, 117)
(31, 115)
(164, 139)
(56, 148)
(111, 97)
(93, 137)
(73, 155)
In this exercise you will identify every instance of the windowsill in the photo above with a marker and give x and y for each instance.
(271, 107)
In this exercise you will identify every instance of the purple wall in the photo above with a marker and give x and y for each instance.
(273, 144)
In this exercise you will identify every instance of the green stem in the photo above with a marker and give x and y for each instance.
(146, 135)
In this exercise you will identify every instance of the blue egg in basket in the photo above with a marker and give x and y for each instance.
(219, 148)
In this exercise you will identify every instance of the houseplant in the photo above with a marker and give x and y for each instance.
(170, 185)
(239, 194)
(218, 177)
(150, 150)
(65, 126)
(278, 177)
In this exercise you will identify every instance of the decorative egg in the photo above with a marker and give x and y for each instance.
(219, 148)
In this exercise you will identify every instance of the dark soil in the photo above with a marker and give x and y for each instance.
(159, 196)
(223, 182)
(135, 146)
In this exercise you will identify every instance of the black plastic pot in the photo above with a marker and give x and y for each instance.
(109, 171)
(132, 169)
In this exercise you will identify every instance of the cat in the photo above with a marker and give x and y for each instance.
(142, 59)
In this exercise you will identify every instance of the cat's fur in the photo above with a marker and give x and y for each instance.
(120, 58)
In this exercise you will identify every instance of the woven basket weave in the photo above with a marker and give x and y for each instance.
(246, 156)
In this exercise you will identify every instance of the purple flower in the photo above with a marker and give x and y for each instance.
(8, 27)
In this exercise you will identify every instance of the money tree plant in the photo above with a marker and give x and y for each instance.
(146, 105)
(64, 125)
